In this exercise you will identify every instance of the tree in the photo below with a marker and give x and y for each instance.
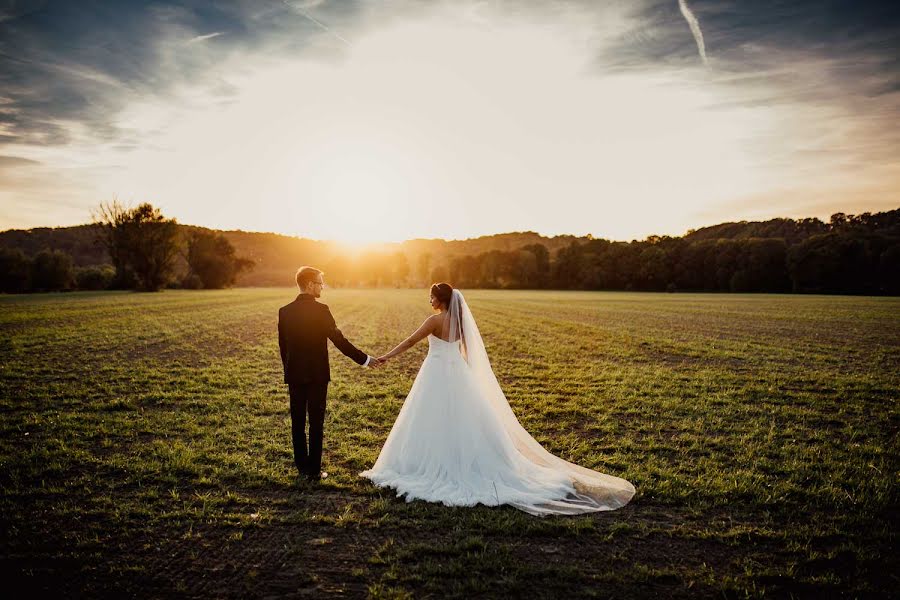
(399, 269)
(464, 271)
(829, 263)
(112, 229)
(839, 220)
(494, 267)
(374, 269)
(424, 264)
(568, 267)
(889, 269)
(654, 272)
(727, 259)
(141, 242)
(52, 270)
(339, 271)
(211, 259)
(439, 274)
(15, 271)
(542, 265)
(95, 277)
(766, 261)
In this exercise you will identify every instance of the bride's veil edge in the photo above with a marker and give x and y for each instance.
(593, 491)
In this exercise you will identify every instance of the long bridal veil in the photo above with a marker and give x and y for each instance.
(591, 491)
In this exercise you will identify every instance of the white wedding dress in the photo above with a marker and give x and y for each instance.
(456, 440)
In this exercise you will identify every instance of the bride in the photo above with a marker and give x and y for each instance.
(457, 441)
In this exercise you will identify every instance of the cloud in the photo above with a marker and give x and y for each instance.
(13, 9)
(34, 194)
(16, 161)
(818, 81)
(72, 86)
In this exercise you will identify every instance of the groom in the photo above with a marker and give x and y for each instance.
(304, 326)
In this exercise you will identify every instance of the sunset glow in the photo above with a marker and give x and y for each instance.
(463, 120)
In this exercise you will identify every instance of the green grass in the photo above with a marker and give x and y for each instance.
(146, 448)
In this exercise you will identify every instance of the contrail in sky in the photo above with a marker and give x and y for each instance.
(208, 36)
(322, 25)
(695, 28)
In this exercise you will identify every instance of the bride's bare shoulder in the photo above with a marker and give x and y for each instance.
(429, 321)
(435, 322)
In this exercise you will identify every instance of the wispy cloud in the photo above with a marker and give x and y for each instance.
(16, 161)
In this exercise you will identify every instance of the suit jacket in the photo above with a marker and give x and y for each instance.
(304, 328)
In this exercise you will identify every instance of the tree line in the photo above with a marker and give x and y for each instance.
(143, 247)
(851, 254)
(140, 249)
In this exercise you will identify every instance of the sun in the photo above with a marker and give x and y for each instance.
(435, 128)
(361, 186)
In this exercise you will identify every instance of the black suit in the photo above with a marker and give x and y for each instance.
(304, 328)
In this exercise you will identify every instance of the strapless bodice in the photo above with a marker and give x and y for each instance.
(438, 347)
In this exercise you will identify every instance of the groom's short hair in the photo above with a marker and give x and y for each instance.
(307, 275)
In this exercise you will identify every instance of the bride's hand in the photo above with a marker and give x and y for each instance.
(382, 359)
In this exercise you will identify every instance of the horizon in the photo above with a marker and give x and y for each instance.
(369, 245)
(378, 123)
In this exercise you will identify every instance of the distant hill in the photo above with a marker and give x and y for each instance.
(790, 230)
(795, 231)
(78, 241)
(276, 257)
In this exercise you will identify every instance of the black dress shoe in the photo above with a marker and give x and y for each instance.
(319, 477)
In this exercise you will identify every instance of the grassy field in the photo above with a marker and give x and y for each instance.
(146, 448)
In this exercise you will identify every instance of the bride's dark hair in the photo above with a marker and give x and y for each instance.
(443, 292)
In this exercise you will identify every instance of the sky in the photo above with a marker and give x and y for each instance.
(365, 121)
